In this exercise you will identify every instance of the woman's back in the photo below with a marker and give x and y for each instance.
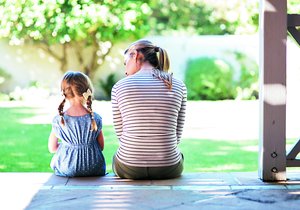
(148, 112)
(150, 119)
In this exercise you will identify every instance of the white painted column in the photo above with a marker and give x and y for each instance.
(272, 116)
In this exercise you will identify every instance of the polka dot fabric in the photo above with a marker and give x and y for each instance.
(79, 153)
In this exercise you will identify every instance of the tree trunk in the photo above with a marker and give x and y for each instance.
(63, 61)
(89, 68)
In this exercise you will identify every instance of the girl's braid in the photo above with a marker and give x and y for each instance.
(61, 111)
(89, 107)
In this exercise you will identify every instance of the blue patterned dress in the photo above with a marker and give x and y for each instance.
(79, 153)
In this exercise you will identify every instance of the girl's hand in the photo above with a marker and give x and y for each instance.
(100, 140)
(53, 143)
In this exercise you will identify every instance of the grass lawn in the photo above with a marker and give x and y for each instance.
(24, 147)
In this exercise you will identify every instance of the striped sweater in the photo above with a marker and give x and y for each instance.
(148, 120)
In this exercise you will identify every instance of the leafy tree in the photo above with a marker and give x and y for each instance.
(85, 27)
(204, 17)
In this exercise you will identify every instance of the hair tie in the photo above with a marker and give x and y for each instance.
(87, 94)
(156, 49)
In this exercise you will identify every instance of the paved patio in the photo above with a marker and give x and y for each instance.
(191, 191)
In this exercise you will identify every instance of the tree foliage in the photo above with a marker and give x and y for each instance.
(293, 7)
(91, 28)
(84, 26)
(205, 17)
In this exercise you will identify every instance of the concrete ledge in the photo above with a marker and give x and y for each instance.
(191, 191)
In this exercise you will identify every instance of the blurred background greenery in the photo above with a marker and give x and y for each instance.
(96, 27)
(84, 27)
(89, 33)
(89, 30)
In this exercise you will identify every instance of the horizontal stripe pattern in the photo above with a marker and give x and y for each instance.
(148, 120)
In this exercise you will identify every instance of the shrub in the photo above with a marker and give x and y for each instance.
(106, 85)
(28, 94)
(4, 97)
(4, 76)
(247, 86)
(209, 78)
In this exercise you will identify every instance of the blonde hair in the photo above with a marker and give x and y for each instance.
(156, 56)
(76, 84)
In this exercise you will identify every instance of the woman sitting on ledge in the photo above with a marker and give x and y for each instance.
(148, 112)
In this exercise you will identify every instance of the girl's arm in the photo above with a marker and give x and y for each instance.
(52, 143)
(100, 140)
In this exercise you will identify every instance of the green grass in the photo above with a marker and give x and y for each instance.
(23, 143)
(202, 155)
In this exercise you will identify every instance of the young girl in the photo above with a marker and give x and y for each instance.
(80, 130)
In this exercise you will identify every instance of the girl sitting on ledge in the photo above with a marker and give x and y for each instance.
(80, 130)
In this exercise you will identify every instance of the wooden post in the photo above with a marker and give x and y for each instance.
(272, 102)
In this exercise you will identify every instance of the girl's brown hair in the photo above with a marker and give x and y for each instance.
(156, 56)
(76, 84)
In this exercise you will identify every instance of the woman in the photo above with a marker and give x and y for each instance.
(148, 112)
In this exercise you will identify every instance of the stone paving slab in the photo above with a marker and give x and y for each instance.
(109, 179)
(125, 199)
(165, 199)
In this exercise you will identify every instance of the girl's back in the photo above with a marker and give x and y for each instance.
(79, 153)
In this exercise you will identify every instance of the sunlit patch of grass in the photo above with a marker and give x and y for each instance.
(26, 165)
(23, 147)
(227, 167)
(219, 156)
(17, 154)
(253, 148)
(2, 167)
